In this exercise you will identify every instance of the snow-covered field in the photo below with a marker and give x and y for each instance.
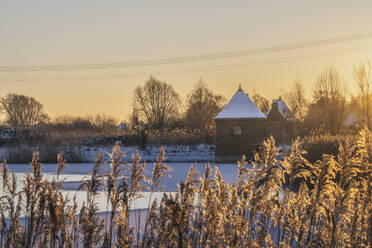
(74, 173)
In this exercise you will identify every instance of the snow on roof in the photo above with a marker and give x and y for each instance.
(240, 106)
(283, 109)
(351, 120)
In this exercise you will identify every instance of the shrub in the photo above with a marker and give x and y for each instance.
(317, 144)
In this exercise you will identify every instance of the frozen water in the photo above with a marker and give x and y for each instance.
(74, 173)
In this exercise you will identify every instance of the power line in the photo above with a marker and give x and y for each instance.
(185, 70)
(188, 59)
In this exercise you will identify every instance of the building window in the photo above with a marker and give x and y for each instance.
(237, 130)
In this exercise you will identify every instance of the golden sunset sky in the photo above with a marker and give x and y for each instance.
(84, 32)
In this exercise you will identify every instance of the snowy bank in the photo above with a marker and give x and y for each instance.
(86, 154)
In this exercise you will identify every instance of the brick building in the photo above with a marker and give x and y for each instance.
(281, 124)
(241, 127)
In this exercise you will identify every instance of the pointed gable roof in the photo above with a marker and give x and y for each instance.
(283, 109)
(240, 106)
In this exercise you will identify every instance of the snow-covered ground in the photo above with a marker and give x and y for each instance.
(173, 153)
(74, 173)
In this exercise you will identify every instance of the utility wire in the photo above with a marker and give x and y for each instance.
(188, 59)
(185, 70)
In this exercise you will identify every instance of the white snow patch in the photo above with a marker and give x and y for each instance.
(351, 120)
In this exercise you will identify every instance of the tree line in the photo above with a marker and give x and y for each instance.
(331, 101)
(157, 108)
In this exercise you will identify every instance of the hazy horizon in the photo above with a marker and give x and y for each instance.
(43, 33)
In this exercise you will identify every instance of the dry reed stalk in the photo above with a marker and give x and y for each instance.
(330, 206)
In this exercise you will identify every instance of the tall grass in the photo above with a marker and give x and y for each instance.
(330, 208)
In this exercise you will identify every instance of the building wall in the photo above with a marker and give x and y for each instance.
(281, 129)
(229, 147)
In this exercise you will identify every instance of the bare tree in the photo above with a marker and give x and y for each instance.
(22, 111)
(328, 108)
(156, 103)
(261, 102)
(202, 106)
(296, 100)
(362, 78)
(104, 122)
(140, 127)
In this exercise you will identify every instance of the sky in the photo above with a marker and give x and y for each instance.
(83, 32)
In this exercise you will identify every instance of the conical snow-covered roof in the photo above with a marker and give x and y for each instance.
(240, 106)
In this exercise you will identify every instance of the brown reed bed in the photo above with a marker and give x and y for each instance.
(332, 207)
